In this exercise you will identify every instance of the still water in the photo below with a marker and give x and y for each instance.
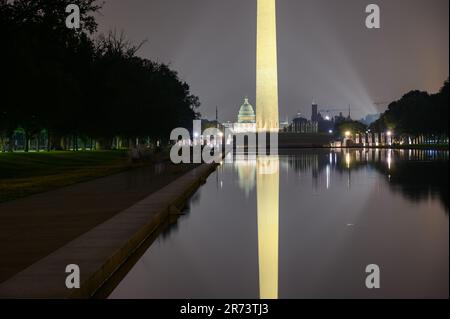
(306, 224)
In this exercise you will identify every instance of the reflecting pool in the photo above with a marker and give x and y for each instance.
(306, 224)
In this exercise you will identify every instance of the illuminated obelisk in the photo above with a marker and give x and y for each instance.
(267, 119)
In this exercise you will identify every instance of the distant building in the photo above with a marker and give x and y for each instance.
(314, 112)
(349, 117)
(339, 118)
(325, 124)
(284, 125)
(246, 113)
(246, 121)
(302, 125)
(206, 124)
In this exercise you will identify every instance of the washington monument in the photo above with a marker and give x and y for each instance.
(267, 119)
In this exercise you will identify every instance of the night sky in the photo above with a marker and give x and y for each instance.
(325, 51)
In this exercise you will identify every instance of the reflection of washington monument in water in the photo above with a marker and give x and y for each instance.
(328, 171)
(267, 192)
(268, 177)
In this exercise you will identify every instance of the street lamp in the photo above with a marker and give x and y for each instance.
(389, 139)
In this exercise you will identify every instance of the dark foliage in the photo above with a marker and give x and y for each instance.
(62, 82)
(417, 113)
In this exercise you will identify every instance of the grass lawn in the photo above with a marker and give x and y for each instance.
(23, 174)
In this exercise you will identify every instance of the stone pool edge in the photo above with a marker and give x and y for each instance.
(103, 249)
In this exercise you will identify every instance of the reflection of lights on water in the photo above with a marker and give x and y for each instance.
(432, 153)
(389, 159)
(347, 160)
(328, 176)
(331, 158)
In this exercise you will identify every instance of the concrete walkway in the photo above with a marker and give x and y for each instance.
(33, 227)
(103, 249)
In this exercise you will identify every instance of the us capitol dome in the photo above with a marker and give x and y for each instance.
(246, 119)
(246, 113)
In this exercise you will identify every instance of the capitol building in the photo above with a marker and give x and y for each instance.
(246, 121)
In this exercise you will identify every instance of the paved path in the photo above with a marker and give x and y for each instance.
(100, 251)
(33, 227)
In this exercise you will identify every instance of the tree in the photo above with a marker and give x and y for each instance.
(354, 127)
(67, 84)
(418, 115)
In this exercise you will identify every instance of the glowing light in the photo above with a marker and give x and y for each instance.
(389, 133)
(330, 131)
(348, 133)
(348, 160)
(328, 176)
(389, 159)
(267, 117)
(327, 118)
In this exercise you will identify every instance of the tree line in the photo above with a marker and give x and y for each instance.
(419, 116)
(60, 86)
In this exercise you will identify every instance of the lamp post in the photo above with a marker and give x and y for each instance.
(389, 137)
(347, 134)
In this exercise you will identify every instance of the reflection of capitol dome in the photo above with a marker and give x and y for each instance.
(246, 113)
(246, 167)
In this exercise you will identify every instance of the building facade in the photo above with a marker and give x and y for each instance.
(246, 121)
